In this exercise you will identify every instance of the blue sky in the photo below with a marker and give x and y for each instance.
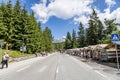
(62, 16)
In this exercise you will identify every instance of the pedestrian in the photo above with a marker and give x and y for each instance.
(5, 59)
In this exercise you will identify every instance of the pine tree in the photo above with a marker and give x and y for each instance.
(74, 40)
(95, 29)
(68, 41)
(19, 28)
(36, 34)
(100, 31)
(8, 22)
(23, 31)
(2, 26)
(81, 36)
(91, 34)
(48, 39)
(110, 26)
(40, 37)
(16, 38)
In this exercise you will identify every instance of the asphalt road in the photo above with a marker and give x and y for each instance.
(54, 67)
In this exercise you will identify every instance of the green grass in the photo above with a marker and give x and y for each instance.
(13, 53)
(16, 54)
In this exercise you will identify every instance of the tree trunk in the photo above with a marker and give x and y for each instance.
(6, 47)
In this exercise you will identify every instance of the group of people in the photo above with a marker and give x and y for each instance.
(43, 53)
(5, 59)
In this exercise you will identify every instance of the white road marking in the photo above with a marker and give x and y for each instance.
(82, 64)
(68, 55)
(57, 70)
(42, 69)
(89, 67)
(23, 68)
(101, 74)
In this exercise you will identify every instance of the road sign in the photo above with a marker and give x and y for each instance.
(1, 44)
(115, 37)
(23, 48)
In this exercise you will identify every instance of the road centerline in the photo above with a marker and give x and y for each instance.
(57, 70)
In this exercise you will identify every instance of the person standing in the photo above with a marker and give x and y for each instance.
(5, 59)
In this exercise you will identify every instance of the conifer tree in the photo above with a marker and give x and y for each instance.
(2, 26)
(94, 32)
(18, 28)
(8, 22)
(110, 26)
(68, 41)
(74, 40)
(48, 39)
(81, 36)
(16, 38)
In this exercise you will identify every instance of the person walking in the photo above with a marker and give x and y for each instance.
(5, 59)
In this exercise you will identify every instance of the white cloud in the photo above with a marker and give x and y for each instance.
(73, 9)
(115, 14)
(40, 12)
(110, 2)
(82, 19)
(63, 9)
(60, 40)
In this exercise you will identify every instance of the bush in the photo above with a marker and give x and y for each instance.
(16, 54)
(13, 53)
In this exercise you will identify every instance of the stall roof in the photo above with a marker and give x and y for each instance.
(92, 46)
(102, 45)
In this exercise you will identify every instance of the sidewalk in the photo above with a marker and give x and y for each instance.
(111, 72)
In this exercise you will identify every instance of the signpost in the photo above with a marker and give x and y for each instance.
(115, 39)
(23, 48)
